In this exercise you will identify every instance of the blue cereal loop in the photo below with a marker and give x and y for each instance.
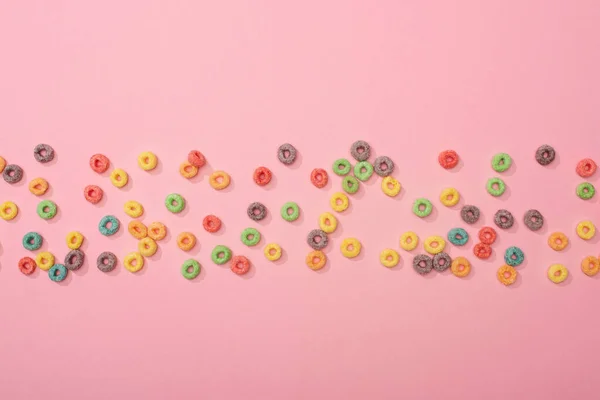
(458, 236)
(514, 256)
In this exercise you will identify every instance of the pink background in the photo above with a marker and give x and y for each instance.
(237, 78)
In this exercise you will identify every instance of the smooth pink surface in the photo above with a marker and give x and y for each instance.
(237, 78)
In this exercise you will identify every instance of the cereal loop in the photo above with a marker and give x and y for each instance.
(190, 269)
(383, 166)
(586, 168)
(262, 176)
(434, 244)
(585, 190)
(187, 170)
(390, 186)
(211, 223)
(196, 159)
(290, 211)
(422, 208)
(487, 235)
(147, 247)
(47, 209)
(504, 219)
(458, 236)
(557, 273)
(32, 241)
(221, 254)
(590, 265)
(327, 222)
(38, 186)
(44, 260)
(287, 154)
(175, 203)
(350, 184)
(133, 209)
(558, 241)
(342, 167)
(507, 275)
(339, 202)
(534, 220)
(147, 161)
(8, 210)
(482, 250)
(106, 261)
(409, 241)
(460, 267)
(74, 240)
(360, 150)
(219, 180)
(363, 170)
(57, 273)
(389, 258)
(350, 247)
(319, 177)
(240, 265)
(119, 178)
(157, 231)
(316, 260)
(514, 256)
(501, 162)
(99, 163)
(250, 237)
(448, 159)
(2, 164)
(545, 154)
(137, 229)
(12, 174)
(27, 265)
(186, 241)
(470, 214)
(43, 153)
(496, 187)
(93, 194)
(108, 225)
(441, 262)
(422, 264)
(272, 252)
(449, 197)
(133, 262)
(586, 230)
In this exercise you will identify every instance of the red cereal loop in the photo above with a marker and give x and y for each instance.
(240, 265)
(211, 223)
(448, 159)
(482, 250)
(262, 176)
(196, 158)
(99, 163)
(93, 194)
(487, 235)
(586, 167)
(27, 265)
(319, 177)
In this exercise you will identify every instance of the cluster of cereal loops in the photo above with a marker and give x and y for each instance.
(585, 169)
(487, 237)
(190, 168)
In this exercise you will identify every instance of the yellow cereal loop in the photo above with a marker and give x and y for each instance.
(2, 164)
(133, 209)
(119, 177)
(460, 267)
(133, 262)
(147, 247)
(389, 258)
(219, 180)
(390, 186)
(44, 260)
(350, 247)
(327, 222)
(449, 197)
(74, 240)
(434, 244)
(187, 170)
(272, 252)
(590, 265)
(409, 241)
(339, 202)
(137, 229)
(8, 210)
(557, 273)
(147, 161)
(38, 186)
(586, 230)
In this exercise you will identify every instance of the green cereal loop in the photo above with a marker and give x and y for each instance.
(490, 186)
(220, 249)
(295, 211)
(255, 237)
(350, 184)
(586, 190)
(178, 200)
(501, 162)
(32, 241)
(345, 164)
(195, 265)
(358, 170)
(46, 209)
(417, 207)
(104, 222)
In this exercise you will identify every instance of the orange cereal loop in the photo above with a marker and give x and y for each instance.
(507, 275)
(137, 229)
(2, 164)
(558, 241)
(186, 241)
(38, 186)
(316, 260)
(590, 265)
(157, 231)
(219, 180)
(187, 170)
(460, 267)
